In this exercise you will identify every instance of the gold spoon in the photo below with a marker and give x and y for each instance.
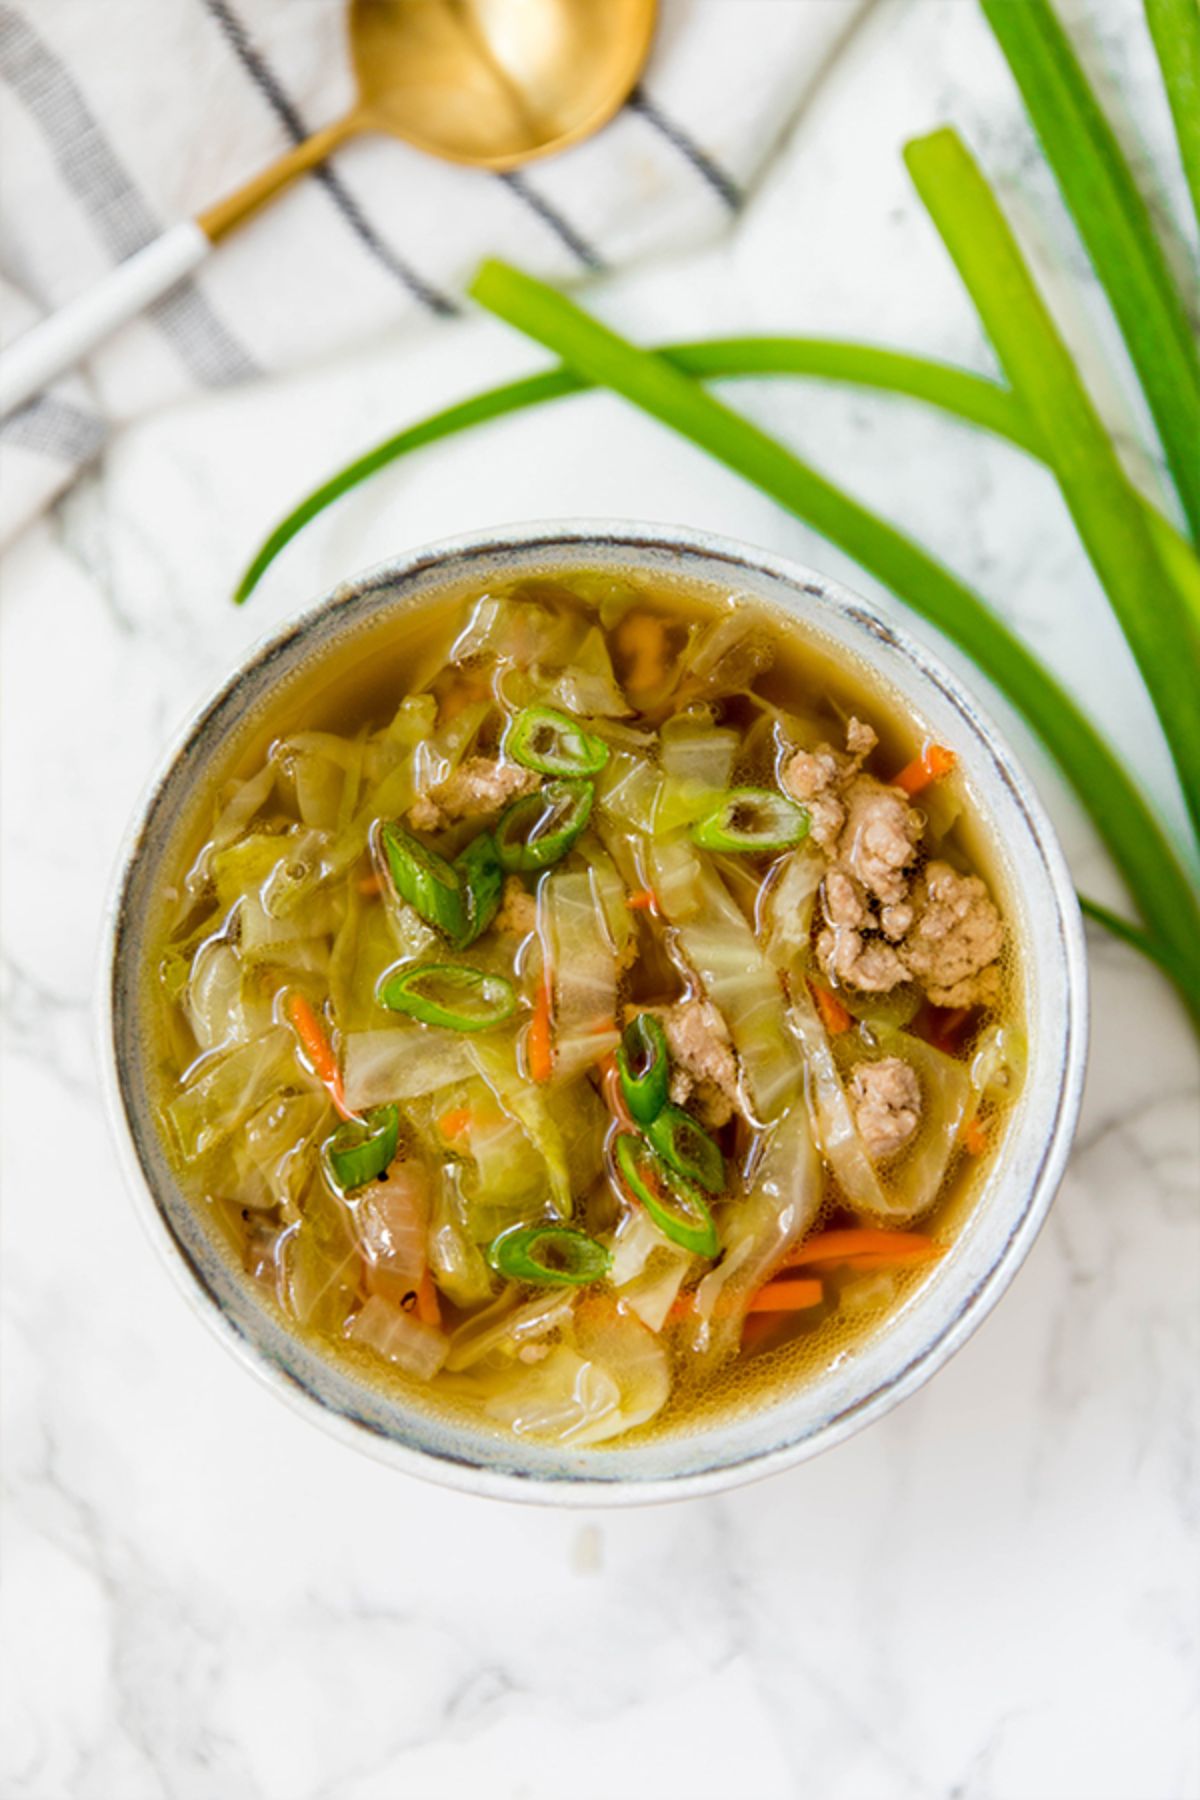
(489, 83)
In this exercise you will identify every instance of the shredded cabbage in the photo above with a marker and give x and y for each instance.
(631, 1355)
(494, 1060)
(757, 1233)
(214, 996)
(585, 972)
(788, 905)
(682, 801)
(319, 1262)
(457, 1263)
(416, 1348)
(274, 1153)
(618, 1378)
(736, 977)
(627, 791)
(911, 1185)
(391, 1221)
(439, 755)
(557, 1399)
(401, 1062)
(998, 1065)
(695, 750)
(225, 1091)
(503, 1328)
(730, 652)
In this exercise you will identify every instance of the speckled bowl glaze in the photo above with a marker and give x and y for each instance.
(791, 1424)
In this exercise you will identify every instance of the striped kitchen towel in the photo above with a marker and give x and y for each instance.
(119, 117)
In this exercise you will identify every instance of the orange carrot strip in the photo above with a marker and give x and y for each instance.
(785, 1296)
(934, 762)
(760, 1327)
(372, 883)
(862, 1265)
(454, 1123)
(856, 1241)
(644, 901)
(318, 1051)
(539, 1047)
(975, 1138)
(428, 1310)
(834, 1016)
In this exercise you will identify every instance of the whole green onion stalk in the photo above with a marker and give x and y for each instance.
(1120, 813)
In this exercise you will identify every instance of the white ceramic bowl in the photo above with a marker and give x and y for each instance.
(944, 1310)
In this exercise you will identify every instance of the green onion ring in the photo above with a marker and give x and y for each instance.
(775, 822)
(426, 991)
(687, 1148)
(360, 1150)
(676, 1206)
(550, 1255)
(570, 751)
(644, 1066)
(428, 882)
(482, 878)
(539, 830)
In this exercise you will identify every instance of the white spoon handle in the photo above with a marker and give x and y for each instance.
(59, 342)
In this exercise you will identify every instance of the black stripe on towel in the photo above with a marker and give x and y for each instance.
(550, 215)
(272, 91)
(54, 428)
(705, 165)
(123, 221)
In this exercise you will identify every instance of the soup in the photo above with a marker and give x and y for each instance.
(590, 1006)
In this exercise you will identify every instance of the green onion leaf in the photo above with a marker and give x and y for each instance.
(687, 1148)
(427, 881)
(449, 994)
(1125, 822)
(548, 1255)
(482, 880)
(750, 819)
(972, 398)
(678, 1208)
(977, 235)
(644, 1067)
(545, 740)
(361, 1150)
(1114, 223)
(537, 831)
(1175, 28)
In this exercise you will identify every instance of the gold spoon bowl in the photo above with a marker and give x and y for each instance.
(488, 83)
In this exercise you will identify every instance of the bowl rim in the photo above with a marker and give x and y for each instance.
(571, 1490)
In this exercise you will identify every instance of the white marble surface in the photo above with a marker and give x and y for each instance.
(990, 1596)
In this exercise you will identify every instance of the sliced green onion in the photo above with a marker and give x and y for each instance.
(751, 819)
(362, 1149)
(687, 1148)
(449, 994)
(1175, 28)
(972, 398)
(550, 1255)
(539, 830)
(428, 882)
(482, 879)
(644, 1066)
(677, 1207)
(549, 742)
